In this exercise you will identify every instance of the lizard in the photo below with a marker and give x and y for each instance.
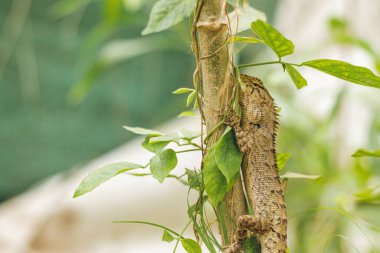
(255, 132)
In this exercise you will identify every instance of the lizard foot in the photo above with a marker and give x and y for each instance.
(233, 120)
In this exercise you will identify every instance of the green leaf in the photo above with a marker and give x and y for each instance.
(216, 185)
(166, 137)
(297, 79)
(365, 152)
(245, 15)
(228, 156)
(337, 23)
(251, 245)
(187, 113)
(377, 65)
(293, 175)
(191, 246)
(162, 163)
(183, 90)
(190, 98)
(189, 134)
(194, 178)
(166, 13)
(246, 40)
(142, 131)
(99, 176)
(273, 38)
(282, 159)
(154, 147)
(345, 71)
(167, 237)
(195, 106)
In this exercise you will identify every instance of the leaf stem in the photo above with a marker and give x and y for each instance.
(213, 130)
(188, 150)
(267, 63)
(180, 235)
(258, 64)
(294, 64)
(194, 144)
(151, 224)
(187, 144)
(179, 178)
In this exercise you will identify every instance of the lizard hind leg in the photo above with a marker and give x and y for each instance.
(258, 226)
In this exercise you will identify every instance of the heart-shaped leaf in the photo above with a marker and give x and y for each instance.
(162, 163)
(228, 156)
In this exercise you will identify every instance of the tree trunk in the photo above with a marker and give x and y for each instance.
(217, 84)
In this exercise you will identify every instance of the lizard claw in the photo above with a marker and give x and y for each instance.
(232, 119)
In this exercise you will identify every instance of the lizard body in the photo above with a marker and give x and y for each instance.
(256, 137)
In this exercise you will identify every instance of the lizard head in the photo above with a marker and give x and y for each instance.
(257, 105)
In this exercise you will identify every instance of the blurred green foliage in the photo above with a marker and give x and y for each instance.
(41, 132)
(346, 202)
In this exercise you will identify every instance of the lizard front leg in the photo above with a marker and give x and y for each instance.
(243, 142)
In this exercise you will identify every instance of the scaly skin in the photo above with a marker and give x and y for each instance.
(256, 136)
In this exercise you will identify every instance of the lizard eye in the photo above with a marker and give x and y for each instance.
(256, 125)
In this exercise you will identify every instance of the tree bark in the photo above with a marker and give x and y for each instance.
(217, 84)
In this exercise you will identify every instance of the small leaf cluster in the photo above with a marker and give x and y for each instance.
(161, 164)
(191, 99)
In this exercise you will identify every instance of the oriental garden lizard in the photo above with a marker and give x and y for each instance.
(255, 133)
